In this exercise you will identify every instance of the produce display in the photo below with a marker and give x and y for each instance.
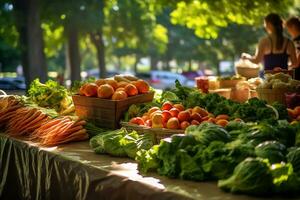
(117, 88)
(250, 148)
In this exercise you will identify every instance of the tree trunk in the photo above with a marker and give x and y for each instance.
(97, 39)
(73, 54)
(27, 13)
(190, 65)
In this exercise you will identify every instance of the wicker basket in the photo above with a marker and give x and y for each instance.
(272, 95)
(159, 133)
(248, 72)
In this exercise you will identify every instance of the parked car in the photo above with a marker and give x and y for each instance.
(12, 83)
(166, 79)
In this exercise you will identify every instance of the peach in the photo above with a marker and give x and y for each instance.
(184, 125)
(131, 90)
(195, 122)
(173, 123)
(81, 90)
(100, 82)
(119, 95)
(148, 122)
(200, 110)
(166, 115)
(122, 84)
(179, 106)
(137, 120)
(184, 116)
(112, 83)
(105, 91)
(90, 90)
(157, 120)
(174, 112)
(153, 109)
(167, 106)
(196, 116)
(222, 122)
(142, 86)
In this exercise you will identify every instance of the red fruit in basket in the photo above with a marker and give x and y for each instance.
(167, 106)
(200, 110)
(174, 112)
(179, 106)
(131, 90)
(184, 125)
(222, 122)
(100, 82)
(166, 115)
(142, 86)
(90, 90)
(119, 95)
(190, 110)
(211, 120)
(137, 120)
(153, 109)
(196, 116)
(184, 116)
(173, 123)
(157, 120)
(145, 117)
(105, 91)
(195, 122)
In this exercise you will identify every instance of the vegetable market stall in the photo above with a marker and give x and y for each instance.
(73, 171)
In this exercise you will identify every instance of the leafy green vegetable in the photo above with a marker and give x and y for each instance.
(147, 159)
(286, 133)
(239, 151)
(252, 176)
(293, 157)
(271, 150)
(284, 179)
(216, 162)
(259, 133)
(206, 133)
(189, 169)
(49, 95)
(120, 143)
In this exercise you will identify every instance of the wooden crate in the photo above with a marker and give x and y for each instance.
(104, 112)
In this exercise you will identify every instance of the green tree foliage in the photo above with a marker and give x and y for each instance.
(207, 17)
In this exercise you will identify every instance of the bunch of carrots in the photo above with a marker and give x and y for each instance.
(36, 124)
(60, 130)
(25, 120)
(8, 106)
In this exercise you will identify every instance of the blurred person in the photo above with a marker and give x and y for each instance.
(293, 27)
(275, 49)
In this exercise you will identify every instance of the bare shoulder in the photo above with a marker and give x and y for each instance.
(264, 41)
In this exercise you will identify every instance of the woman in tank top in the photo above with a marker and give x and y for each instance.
(274, 50)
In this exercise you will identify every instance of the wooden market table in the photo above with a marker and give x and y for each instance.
(74, 171)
